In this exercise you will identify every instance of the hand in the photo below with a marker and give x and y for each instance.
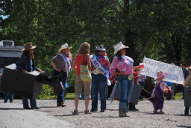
(38, 69)
(58, 70)
(25, 71)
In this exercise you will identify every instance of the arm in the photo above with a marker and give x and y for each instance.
(54, 67)
(113, 66)
(53, 64)
(74, 63)
(89, 62)
(20, 64)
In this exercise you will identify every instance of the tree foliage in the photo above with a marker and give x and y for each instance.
(160, 29)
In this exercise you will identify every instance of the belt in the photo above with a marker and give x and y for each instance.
(128, 77)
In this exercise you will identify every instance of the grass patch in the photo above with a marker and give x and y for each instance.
(178, 96)
(49, 97)
(47, 93)
(70, 96)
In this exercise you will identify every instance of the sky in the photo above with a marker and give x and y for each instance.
(4, 17)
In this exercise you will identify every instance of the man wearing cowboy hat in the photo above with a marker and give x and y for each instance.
(26, 64)
(61, 64)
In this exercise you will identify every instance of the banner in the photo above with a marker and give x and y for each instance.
(173, 73)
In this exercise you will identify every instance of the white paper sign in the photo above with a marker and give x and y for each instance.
(173, 73)
(11, 66)
(34, 73)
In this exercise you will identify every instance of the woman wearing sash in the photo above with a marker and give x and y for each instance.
(122, 69)
(100, 77)
(61, 64)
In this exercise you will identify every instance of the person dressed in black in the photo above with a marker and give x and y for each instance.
(26, 64)
(8, 96)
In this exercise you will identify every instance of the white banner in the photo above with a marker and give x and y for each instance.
(173, 73)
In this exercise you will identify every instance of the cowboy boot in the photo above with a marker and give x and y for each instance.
(62, 104)
(131, 107)
(186, 111)
(59, 104)
(122, 113)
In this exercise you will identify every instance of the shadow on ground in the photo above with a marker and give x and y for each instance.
(100, 117)
(48, 106)
(11, 109)
(183, 126)
(181, 115)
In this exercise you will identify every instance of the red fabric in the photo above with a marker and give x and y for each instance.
(136, 76)
(136, 73)
(138, 67)
(80, 60)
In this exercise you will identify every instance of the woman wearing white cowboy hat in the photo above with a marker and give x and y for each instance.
(122, 68)
(61, 64)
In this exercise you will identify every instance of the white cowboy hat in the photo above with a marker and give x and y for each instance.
(100, 48)
(64, 46)
(119, 47)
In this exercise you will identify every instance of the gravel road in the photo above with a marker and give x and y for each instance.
(49, 116)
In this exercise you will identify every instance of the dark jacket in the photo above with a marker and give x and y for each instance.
(24, 64)
(187, 96)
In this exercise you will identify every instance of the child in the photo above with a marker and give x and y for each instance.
(158, 94)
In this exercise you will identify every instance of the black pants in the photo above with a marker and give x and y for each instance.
(186, 111)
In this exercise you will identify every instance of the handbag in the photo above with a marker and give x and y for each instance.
(85, 74)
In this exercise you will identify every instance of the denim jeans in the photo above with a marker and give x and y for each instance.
(32, 102)
(62, 77)
(8, 96)
(99, 83)
(125, 86)
(60, 96)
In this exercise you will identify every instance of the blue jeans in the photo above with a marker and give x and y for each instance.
(60, 96)
(32, 102)
(125, 86)
(62, 77)
(8, 96)
(99, 83)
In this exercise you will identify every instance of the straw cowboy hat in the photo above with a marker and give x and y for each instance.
(64, 46)
(29, 46)
(119, 47)
(100, 48)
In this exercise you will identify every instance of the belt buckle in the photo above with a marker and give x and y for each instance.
(130, 77)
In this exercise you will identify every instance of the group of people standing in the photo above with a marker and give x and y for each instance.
(93, 73)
